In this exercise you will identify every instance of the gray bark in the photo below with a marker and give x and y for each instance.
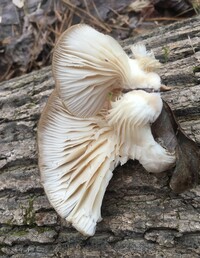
(142, 217)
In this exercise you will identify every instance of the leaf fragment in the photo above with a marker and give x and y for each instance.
(168, 132)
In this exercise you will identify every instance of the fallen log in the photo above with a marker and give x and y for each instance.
(142, 217)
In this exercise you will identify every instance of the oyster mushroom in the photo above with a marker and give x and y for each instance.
(88, 64)
(83, 134)
(76, 160)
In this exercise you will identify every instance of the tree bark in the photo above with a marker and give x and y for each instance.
(142, 217)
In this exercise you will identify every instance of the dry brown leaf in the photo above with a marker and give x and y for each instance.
(168, 132)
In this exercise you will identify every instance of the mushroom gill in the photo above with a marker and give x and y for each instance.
(76, 160)
(78, 155)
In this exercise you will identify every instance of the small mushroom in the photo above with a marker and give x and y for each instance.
(84, 132)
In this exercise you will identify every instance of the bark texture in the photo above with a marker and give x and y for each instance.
(142, 217)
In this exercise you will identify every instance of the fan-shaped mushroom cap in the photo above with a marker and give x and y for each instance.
(88, 64)
(76, 160)
(131, 116)
(77, 155)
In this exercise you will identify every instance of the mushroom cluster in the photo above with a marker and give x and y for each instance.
(98, 116)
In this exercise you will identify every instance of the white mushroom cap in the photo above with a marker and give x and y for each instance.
(88, 64)
(131, 116)
(77, 155)
(76, 160)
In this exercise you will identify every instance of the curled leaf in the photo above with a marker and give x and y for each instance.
(186, 172)
(168, 132)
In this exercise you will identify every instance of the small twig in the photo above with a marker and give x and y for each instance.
(164, 19)
(119, 27)
(96, 10)
(86, 6)
(184, 12)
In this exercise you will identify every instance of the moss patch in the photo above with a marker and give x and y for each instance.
(29, 216)
(19, 233)
(196, 69)
(166, 52)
